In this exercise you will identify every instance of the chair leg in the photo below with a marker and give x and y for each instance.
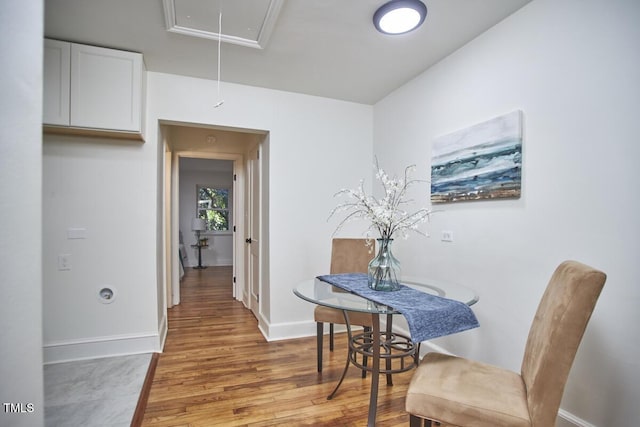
(330, 336)
(319, 339)
(415, 421)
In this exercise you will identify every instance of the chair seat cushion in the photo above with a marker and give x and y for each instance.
(458, 391)
(333, 315)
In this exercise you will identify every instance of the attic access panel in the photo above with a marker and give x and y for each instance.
(244, 22)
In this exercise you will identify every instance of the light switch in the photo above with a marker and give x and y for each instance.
(447, 236)
(76, 233)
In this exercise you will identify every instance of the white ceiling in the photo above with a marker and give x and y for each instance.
(326, 48)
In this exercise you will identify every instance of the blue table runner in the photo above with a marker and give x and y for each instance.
(429, 316)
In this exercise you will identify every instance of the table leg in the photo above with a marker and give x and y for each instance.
(200, 266)
(389, 331)
(375, 371)
(344, 372)
(370, 344)
(346, 366)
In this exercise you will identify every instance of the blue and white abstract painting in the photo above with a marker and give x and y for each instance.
(480, 162)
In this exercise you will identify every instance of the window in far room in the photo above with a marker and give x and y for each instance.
(213, 207)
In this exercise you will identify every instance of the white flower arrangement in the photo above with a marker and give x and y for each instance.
(387, 215)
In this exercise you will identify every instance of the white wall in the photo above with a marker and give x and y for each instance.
(220, 249)
(21, 379)
(316, 146)
(108, 188)
(572, 67)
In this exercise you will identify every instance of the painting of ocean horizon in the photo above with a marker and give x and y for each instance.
(481, 162)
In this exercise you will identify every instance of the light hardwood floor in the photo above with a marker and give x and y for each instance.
(217, 369)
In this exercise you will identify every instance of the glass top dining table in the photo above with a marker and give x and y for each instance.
(322, 293)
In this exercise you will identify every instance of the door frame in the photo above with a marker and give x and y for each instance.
(253, 217)
(171, 229)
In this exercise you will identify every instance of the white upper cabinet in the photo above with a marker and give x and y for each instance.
(105, 88)
(99, 88)
(57, 69)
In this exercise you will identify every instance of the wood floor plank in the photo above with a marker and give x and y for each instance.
(217, 369)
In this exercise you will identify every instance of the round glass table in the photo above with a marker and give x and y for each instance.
(398, 351)
(322, 293)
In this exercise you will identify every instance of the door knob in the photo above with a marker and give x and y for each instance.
(248, 240)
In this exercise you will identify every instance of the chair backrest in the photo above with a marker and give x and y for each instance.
(554, 337)
(350, 255)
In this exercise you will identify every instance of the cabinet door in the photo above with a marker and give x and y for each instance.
(106, 88)
(57, 65)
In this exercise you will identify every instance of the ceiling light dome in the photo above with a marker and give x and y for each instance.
(399, 16)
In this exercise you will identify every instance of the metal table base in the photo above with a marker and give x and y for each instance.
(398, 352)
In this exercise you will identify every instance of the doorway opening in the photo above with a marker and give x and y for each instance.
(205, 212)
(203, 164)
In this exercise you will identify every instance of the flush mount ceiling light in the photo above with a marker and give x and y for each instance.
(399, 16)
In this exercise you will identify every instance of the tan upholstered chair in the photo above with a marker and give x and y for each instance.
(461, 392)
(347, 256)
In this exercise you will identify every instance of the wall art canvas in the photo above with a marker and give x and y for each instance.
(481, 162)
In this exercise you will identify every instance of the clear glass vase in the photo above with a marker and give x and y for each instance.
(384, 268)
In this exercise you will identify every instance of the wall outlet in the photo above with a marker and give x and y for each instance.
(447, 236)
(64, 262)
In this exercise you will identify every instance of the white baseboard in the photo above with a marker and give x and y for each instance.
(214, 263)
(164, 329)
(97, 347)
(567, 419)
(286, 331)
(291, 330)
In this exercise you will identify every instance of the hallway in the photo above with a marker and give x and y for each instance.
(217, 369)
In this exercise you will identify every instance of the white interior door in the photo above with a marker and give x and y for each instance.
(253, 239)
